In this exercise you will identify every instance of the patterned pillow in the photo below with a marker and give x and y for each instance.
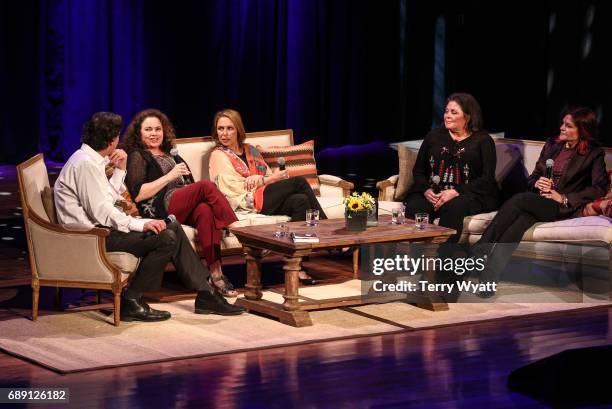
(407, 157)
(299, 161)
(602, 206)
(127, 204)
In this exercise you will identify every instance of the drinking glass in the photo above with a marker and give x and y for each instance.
(420, 220)
(397, 215)
(282, 230)
(312, 217)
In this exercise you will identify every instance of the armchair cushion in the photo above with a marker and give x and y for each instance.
(299, 161)
(125, 262)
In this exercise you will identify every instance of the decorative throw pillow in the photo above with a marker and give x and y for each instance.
(49, 204)
(299, 161)
(127, 204)
(601, 206)
(407, 157)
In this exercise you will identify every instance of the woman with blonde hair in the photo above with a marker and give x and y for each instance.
(241, 173)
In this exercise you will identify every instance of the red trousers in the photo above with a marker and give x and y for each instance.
(203, 206)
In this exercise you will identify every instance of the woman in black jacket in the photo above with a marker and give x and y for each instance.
(578, 177)
(454, 173)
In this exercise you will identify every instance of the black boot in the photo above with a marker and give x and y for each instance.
(134, 309)
(213, 303)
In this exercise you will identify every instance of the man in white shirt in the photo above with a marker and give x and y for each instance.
(84, 195)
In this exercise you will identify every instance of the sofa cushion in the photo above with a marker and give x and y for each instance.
(591, 229)
(477, 223)
(299, 161)
(332, 206)
(227, 242)
(407, 157)
(596, 230)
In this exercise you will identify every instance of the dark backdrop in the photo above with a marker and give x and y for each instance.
(341, 72)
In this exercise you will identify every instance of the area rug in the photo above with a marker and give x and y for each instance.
(81, 341)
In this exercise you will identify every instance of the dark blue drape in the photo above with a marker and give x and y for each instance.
(91, 60)
(306, 65)
(341, 72)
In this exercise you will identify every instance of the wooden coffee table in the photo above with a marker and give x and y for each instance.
(332, 234)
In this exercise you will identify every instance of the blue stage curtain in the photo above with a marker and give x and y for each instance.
(92, 60)
(326, 69)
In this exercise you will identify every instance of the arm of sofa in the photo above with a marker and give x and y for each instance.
(333, 186)
(386, 188)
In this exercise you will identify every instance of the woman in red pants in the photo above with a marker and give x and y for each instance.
(161, 184)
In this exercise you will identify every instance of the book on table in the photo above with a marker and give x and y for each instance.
(304, 237)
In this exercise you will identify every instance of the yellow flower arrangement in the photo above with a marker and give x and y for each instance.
(358, 202)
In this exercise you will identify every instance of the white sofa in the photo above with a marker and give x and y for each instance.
(196, 152)
(585, 239)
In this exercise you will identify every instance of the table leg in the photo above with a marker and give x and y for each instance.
(253, 264)
(293, 315)
(292, 267)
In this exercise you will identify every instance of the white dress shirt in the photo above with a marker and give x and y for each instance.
(83, 193)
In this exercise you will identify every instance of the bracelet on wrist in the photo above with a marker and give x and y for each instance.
(564, 201)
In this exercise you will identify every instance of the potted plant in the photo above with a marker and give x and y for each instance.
(356, 208)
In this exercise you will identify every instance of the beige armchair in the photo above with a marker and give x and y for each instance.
(66, 255)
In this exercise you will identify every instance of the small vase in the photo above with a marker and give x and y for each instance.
(356, 221)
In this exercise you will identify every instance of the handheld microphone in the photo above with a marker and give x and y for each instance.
(549, 168)
(169, 219)
(177, 160)
(435, 184)
(281, 163)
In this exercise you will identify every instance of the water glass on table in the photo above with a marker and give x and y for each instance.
(420, 220)
(398, 215)
(312, 217)
(282, 230)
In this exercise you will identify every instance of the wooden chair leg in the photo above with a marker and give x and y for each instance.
(35, 295)
(356, 263)
(117, 307)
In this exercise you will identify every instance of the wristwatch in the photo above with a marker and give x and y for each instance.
(565, 201)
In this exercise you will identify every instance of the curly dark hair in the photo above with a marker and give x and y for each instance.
(471, 110)
(132, 139)
(236, 119)
(100, 130)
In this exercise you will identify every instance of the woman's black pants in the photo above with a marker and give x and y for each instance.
(514, 218)
(290, 197)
